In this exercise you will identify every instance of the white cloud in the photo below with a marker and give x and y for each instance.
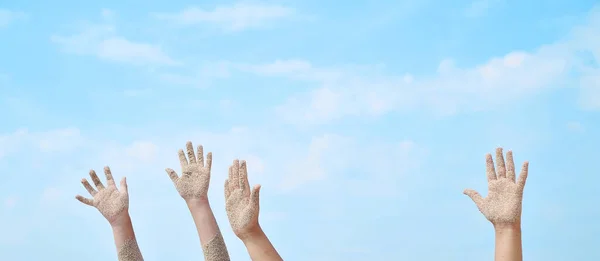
(360, 168)
(7, 17)
(143, 151)
(371, 91)
(236, 17)
(59, 140)
(102, 40)
(351, 92)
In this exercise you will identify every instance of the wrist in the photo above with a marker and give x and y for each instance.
(253, 234)
(122, 220)
(511, 227)
(197, 202)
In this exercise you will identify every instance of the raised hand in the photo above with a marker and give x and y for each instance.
(114, 206)
(502, 206)
(242, 205)
(192, 185)
(195, 177)
(111, 202)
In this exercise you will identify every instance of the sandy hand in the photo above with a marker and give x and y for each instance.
(110, 201)
(195, 178)
(242, 205)
(505, 194)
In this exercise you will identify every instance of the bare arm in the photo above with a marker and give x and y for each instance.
(127, 247)
(213, 245)
(508, 243)
(242, 205)
(259, 247)
(502, 206)
(192, 186)
(113, 204)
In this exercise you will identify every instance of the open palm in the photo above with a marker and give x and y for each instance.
(111, 202)
(505, 193)
(242, 205)
(195, 174)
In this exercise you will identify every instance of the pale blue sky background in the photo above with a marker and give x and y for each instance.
(363, 122)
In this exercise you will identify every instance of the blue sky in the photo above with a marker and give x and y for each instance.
(363, 122)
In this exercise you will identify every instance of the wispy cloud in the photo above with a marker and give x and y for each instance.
(234, 17)
(102, 41)
(7, 17)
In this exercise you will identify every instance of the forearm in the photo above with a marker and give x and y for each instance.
(508, 243)
(212, 242)
(259, 247)
(127, 247)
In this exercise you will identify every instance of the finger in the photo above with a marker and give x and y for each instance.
(489, 167)
(172, 174)
(500, 165)
(255, 196)
(510, 166)
(190, 152)
(523, 175)
(231, 179)
(227, 192)
(200, 155)
(475, 196)
(86, 201)
(244, 184)
(209, 161)
(123, 187)
(96, 180)
(236, 173)
(182, 160)
(109, 176)
(88, 187)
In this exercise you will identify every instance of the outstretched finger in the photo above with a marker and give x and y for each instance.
(123, 187)
(88, 187)
(230, 178)
(227, 192)
(86, 201)
(96, 180)
(255, 196)
(190, 152)
(523, 175)
(236, 174)
(500, 165)
(172, 174)
(489, 167)
(182, 160)
(208, 161)
(244, 184)
(510, 166)
(200, 155)
(109, 177)
(475, 196)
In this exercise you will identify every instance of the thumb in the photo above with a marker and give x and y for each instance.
(124, 185)
(255, 195)
(475, 196)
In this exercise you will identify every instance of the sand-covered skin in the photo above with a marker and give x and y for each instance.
(130, 251)
(193, 184)
(108, 200)
(215, 249)
(195, 174)
(242, 205)
(112, 203)
(503, 203)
